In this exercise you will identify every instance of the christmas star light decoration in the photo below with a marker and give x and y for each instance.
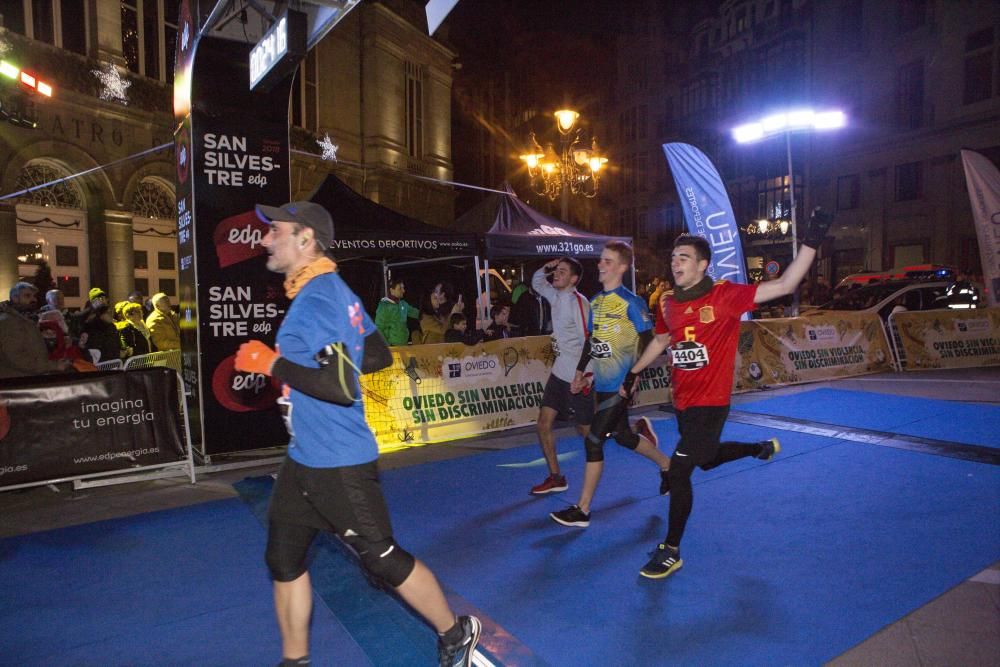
(329, 148)
(113, 85)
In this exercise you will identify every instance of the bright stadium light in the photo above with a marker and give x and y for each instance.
(830, 120)
(786, 122)
(744, 134)
(795, 120)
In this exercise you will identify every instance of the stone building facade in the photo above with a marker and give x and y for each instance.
(377, 84)
(919, 81)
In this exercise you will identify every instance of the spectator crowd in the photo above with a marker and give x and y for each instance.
(38, 338)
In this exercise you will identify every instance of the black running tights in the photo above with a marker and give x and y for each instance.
(681, 491)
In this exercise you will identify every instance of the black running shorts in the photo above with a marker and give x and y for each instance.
(700, 429)
(332, 499)
(558, 397)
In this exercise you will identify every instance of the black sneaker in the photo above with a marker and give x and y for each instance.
(644, 427)
(768, 449)
(664, 482)
(460, 654)
(571, 516)
(663, 563)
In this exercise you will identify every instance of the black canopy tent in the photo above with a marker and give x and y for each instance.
(366, 230)
(519, 231)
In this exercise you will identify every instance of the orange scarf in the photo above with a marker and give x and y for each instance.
(295, 283)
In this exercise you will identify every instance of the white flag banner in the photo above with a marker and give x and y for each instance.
(983, 181)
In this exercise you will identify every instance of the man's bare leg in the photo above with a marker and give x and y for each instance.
(652, 453)
(293, 606)
(422, 592)
(591, 476)
(546, 418)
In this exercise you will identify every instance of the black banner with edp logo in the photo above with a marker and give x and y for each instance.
(233, 153)
(54, 427)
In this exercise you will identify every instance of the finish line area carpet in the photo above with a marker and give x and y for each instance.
(791, 561)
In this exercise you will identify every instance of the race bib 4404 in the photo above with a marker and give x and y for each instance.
(689, 355)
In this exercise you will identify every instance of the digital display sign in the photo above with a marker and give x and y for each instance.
(279, 50)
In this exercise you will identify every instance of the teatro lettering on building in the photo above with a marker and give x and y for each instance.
(112, 222)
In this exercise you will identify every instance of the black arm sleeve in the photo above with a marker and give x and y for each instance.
(324, 383)
(584, 356)
(377, 354)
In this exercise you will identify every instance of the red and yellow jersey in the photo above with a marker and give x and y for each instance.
(704, 333)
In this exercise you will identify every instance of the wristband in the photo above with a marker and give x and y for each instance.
(629, 381)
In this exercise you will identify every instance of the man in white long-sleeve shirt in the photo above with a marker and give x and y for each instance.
(570, 312)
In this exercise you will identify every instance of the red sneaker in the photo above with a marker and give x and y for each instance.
(552, 484)
(644, 427)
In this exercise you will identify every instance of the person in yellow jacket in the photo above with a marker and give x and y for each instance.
(661, 286)
(164, 324)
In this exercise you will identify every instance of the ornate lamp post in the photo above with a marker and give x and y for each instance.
(575, 169)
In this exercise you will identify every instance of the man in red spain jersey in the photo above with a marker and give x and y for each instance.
(700, 322)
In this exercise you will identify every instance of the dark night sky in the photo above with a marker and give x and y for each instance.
(562, 48)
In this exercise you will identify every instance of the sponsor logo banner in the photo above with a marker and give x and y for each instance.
(707, 211)
(68, 426)
(440, 392)
(949, 338)
(806, 349)
(236, 155)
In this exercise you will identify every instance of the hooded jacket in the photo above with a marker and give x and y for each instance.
(164, 328)
(23, 352)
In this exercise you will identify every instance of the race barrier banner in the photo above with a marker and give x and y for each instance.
(948, 338)
(445, 391)
(57, 427)
(810, 348)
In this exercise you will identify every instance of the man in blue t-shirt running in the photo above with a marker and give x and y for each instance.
(329, 480)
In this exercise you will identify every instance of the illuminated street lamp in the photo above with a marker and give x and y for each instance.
(574, 169)
(787, 122)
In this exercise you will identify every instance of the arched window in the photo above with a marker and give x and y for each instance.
(153, 200)
(64, 194)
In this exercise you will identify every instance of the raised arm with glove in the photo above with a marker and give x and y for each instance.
(816, 229)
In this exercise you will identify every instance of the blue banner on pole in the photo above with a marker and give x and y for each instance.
(707, 210)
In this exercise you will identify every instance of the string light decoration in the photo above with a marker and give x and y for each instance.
(329, 148)
(113, 85)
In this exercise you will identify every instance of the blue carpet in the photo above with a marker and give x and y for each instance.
(966, 423)
(385, 629)
(180, 587)
(788, 562)
(791, 561)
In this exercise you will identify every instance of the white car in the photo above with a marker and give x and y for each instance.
(910, 295)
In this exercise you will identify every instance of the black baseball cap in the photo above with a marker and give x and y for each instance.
(306, 213)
